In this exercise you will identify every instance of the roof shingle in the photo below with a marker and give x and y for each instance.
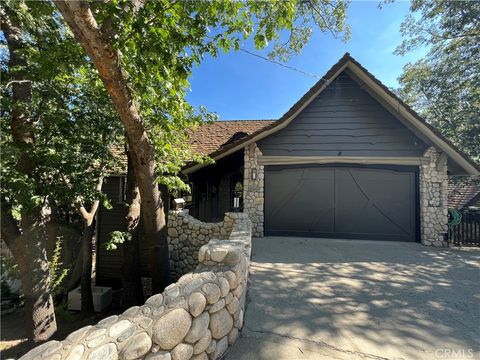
(211, 137)
(206, 139)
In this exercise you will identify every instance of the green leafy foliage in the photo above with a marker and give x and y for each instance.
(445, 86)
(161, 42)
(57, 271)
(71, 121)
(74, 122)
(117, 238)
(445, 23)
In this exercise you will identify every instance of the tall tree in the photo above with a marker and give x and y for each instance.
(27, 242)
(57, 126)
(79, 17)
(144, 52)
(445, 86)
(132, 285)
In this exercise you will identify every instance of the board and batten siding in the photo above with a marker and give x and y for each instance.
(344, 120)
(109, 262)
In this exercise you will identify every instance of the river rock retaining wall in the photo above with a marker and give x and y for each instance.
(196, 318)
(186, 235)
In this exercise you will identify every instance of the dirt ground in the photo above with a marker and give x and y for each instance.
(13, 342)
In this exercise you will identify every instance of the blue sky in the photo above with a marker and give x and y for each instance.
(240, 86)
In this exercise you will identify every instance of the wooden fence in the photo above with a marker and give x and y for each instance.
(467, 233)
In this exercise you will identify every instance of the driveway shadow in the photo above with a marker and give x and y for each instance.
(363, 299)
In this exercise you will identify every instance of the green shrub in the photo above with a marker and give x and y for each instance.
(57, 272)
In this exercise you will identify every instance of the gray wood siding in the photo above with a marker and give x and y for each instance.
(109, 262)
(343, 120)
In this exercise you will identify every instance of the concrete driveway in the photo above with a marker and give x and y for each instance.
(345, 299)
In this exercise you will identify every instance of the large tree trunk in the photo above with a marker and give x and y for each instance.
(35, 276)
(132, 283)
(29, 249)
(106, 58)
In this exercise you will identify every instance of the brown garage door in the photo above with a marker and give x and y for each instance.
(375, 203)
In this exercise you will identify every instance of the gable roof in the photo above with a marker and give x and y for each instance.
(462, 194)
(379, 91)
(211, 137)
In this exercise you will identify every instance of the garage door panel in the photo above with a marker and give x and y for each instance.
(371, 224)
(372, 201)
(348, 202)
(297, 190)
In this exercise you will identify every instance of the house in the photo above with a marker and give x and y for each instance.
(348, 160)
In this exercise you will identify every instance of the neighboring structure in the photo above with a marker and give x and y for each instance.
(464, 193)
(348, 160)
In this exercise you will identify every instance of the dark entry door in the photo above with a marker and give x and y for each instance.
(340, 202)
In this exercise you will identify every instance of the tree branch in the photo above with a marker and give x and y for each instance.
(319, 13)
(88, 216)
(17, 82)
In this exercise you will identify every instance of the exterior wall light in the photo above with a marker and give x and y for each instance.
(254, 174)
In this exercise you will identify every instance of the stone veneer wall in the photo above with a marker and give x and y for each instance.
(253, 198)
(196, 318)
(433, 199)
(185, 237)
